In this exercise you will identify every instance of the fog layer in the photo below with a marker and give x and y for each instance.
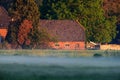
(63, 61)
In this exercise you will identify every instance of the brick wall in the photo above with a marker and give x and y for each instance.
(68, 45)
(3, 32)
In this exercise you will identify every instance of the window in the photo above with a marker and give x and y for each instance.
(67, 45)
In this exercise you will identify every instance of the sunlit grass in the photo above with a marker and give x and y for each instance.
(60, 53)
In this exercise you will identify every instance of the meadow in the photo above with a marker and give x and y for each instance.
(60, 53)
(59, 65)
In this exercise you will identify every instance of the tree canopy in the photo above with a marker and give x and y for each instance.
(19, 11)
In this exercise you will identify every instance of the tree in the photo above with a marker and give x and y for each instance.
(19, 11)
(23, 32)
(56, 9)
(12, 32)
(113, 10)
(44, 38)
(6, 3)
(39, 2)
(98, 27)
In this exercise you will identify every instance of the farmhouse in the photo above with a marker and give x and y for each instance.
(70, 34)
(4, 22)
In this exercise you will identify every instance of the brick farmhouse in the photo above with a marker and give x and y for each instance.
(69, 33)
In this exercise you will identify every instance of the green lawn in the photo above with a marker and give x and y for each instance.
(54, 72)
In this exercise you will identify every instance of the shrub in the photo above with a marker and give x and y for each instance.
(97, 55)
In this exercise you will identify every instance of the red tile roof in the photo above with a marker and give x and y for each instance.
(64, 30)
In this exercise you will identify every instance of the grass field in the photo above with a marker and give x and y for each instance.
(59, 65)
(61, 53)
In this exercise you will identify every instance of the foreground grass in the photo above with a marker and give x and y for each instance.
(77, 77)
(56, 72)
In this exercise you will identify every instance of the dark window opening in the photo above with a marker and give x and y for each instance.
(67, 44)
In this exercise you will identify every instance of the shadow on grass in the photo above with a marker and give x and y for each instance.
(84, 76)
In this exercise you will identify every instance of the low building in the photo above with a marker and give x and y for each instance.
(93, 46)
(70, 34)
(4, 22)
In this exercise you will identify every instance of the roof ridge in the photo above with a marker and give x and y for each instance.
(2, 8)
(80, 24)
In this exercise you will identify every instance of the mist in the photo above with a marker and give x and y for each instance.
(63, 61)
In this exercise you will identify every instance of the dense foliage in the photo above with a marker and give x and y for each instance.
(98, 27)
(112, 8)
(56, 9)
(23, 32)
(19, 11)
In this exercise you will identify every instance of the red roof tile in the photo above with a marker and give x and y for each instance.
(64, 30)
